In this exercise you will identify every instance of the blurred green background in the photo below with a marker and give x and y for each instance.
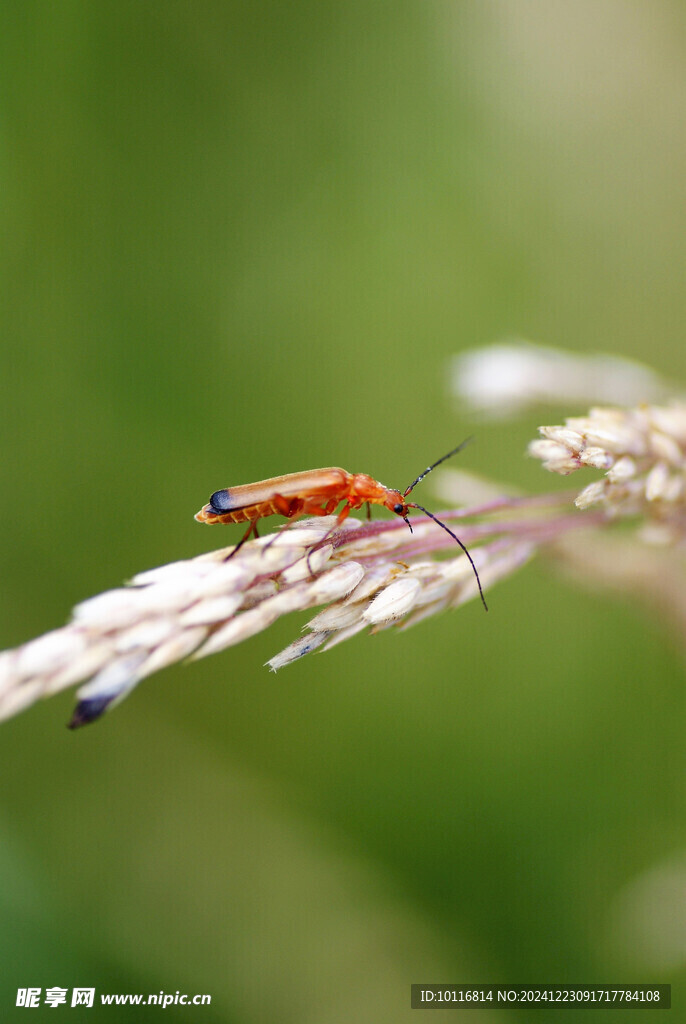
(243, 239)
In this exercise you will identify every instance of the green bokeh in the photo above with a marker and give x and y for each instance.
(243, 239)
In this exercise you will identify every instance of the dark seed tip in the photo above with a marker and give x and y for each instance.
(87, 711)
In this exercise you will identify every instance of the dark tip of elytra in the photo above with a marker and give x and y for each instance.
(220, 502)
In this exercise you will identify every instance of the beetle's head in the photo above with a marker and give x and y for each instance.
(395, 502)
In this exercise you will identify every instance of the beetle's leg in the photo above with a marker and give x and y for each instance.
(369, 510)
(344, 513)
(327, 510)
(315, 507)
(284, 506)
(290, 508)
(251, 529)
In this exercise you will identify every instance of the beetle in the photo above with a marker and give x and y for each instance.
(317, 492)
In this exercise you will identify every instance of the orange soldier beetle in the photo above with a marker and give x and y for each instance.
(317, 492)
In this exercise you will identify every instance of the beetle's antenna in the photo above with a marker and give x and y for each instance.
(429, 468)
(447, 530)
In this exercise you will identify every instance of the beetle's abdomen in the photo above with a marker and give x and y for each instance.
(211, 513)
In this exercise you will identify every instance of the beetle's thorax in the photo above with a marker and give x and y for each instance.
(365, 488)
